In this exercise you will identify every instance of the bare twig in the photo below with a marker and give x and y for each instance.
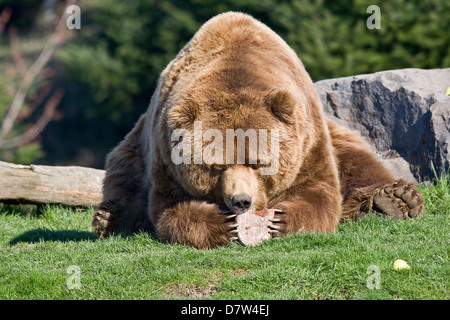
(17, 56)
(55, 40)
(37, 128)
(38, 99)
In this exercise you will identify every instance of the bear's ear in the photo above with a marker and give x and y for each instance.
(181, 116)
(282, 104)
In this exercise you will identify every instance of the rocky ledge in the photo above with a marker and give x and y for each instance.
(404, 114)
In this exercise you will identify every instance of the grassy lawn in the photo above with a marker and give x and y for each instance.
(37, 249)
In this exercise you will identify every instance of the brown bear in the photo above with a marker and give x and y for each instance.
(186, 170)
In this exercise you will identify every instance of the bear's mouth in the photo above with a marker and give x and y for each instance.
(240, 211)
(235, 211)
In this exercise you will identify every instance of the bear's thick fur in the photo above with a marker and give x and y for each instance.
(236, 73)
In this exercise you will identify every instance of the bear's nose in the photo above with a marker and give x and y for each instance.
(241, 202)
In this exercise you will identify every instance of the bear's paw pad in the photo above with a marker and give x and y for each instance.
(400, 200)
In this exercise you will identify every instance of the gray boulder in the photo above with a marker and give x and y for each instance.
(404, 114)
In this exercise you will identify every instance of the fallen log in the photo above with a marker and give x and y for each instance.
(37, 184)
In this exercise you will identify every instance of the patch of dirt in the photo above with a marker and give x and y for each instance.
(192, 291)
(239, 273)
(196, 291)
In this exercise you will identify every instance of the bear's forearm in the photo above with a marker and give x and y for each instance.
(194, 223)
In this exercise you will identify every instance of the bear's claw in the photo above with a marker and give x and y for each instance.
(277, 225)
(230, 220)
(400, 200)
(233, 232)
(230, 217)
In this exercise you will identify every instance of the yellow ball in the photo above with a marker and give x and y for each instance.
(400, 264)
(447, 92)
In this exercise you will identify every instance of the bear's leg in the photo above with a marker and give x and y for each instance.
(125, 194)
(366, 185)
(398, 199)
(313, 201)
(195, 223)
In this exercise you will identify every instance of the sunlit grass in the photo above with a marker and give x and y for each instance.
(38, 246)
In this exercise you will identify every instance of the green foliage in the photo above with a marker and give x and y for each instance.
(124, 45)
(438, 197)
(28, 153)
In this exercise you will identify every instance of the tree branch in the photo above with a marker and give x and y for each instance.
(55, 40)
(37, 128)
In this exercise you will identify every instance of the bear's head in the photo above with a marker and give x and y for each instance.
(238, 149)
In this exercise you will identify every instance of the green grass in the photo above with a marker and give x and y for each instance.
(36, 249)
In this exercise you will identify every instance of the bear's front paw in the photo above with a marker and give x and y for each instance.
(102, 223)
(286, 220)
(198, 224)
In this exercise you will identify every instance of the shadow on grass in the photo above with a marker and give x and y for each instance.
(39, 235)
(43, 235)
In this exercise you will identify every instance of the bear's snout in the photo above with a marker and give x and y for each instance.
(241, 202)
(239, 188)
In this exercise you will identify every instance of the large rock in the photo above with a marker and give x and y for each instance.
(404, 114)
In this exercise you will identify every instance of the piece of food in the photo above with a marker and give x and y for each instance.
(253, 226)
